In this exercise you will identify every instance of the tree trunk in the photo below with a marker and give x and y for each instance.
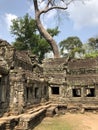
(47, 36)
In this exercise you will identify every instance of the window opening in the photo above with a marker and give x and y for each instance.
(90, 92)
(55, 90)
(76, 92)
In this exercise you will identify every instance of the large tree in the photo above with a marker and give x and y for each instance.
(93, 43)
(49, 5)
(71, 46)
(24, 29)
(91, 47)
(28, 38)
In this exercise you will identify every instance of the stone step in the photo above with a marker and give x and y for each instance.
(28, 121)
(51, 111)
(24, 121)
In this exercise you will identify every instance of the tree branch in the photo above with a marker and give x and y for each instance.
(68, 2)
(54, 6)
(35, 5)
(49, 1)
(51, 8)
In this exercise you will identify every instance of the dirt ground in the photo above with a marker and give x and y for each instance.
(87, 121)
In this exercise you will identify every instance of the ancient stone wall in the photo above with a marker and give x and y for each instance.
(86, 70)
(30, 83)
(73, 81)
(4, 77)
(22, 83)
(4, 95)
(82, 80)
(55, 73)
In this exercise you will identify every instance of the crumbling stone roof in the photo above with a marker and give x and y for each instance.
(83, 63)
(23, 56)
(82, 80)
(83, 71)
(4, 43)
(31, 77)
(54, 63)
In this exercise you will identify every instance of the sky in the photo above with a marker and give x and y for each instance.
(80, 19)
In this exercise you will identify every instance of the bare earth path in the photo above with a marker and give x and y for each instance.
(87, 121)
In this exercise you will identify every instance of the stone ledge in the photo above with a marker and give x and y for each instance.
(29, 121)
(9, 122)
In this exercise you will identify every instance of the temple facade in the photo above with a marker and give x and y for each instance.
(24, 82)
(74, 81)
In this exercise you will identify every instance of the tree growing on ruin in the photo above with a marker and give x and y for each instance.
(27, 37)
(49, 5)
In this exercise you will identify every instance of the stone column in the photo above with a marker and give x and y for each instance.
(17, 87)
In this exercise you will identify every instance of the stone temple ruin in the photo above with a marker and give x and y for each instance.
(72, 82)
(29, 91)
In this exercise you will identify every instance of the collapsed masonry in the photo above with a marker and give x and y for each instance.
(24, 83)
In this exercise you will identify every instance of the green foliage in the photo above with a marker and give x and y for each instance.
(92, 55)
(25, 31)
(53, 32)
(91, 48)
(19, 45)
(28, 38)
(41, 48)
(56, 123)
(71, 46)
(93, 43)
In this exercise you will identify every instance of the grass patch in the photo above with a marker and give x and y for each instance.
(54, 123)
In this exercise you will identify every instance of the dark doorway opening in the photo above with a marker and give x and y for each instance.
(55, 90)
(0, 90)
(76, 92)
(27, 91)
(45, 90)
(36, 92)
(90, 92)
(0, 80)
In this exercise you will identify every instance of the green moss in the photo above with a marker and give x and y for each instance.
(92, 55)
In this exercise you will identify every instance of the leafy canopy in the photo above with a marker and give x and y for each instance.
(93, 43)
(28, 37)
(71, 46)
(91, 48)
